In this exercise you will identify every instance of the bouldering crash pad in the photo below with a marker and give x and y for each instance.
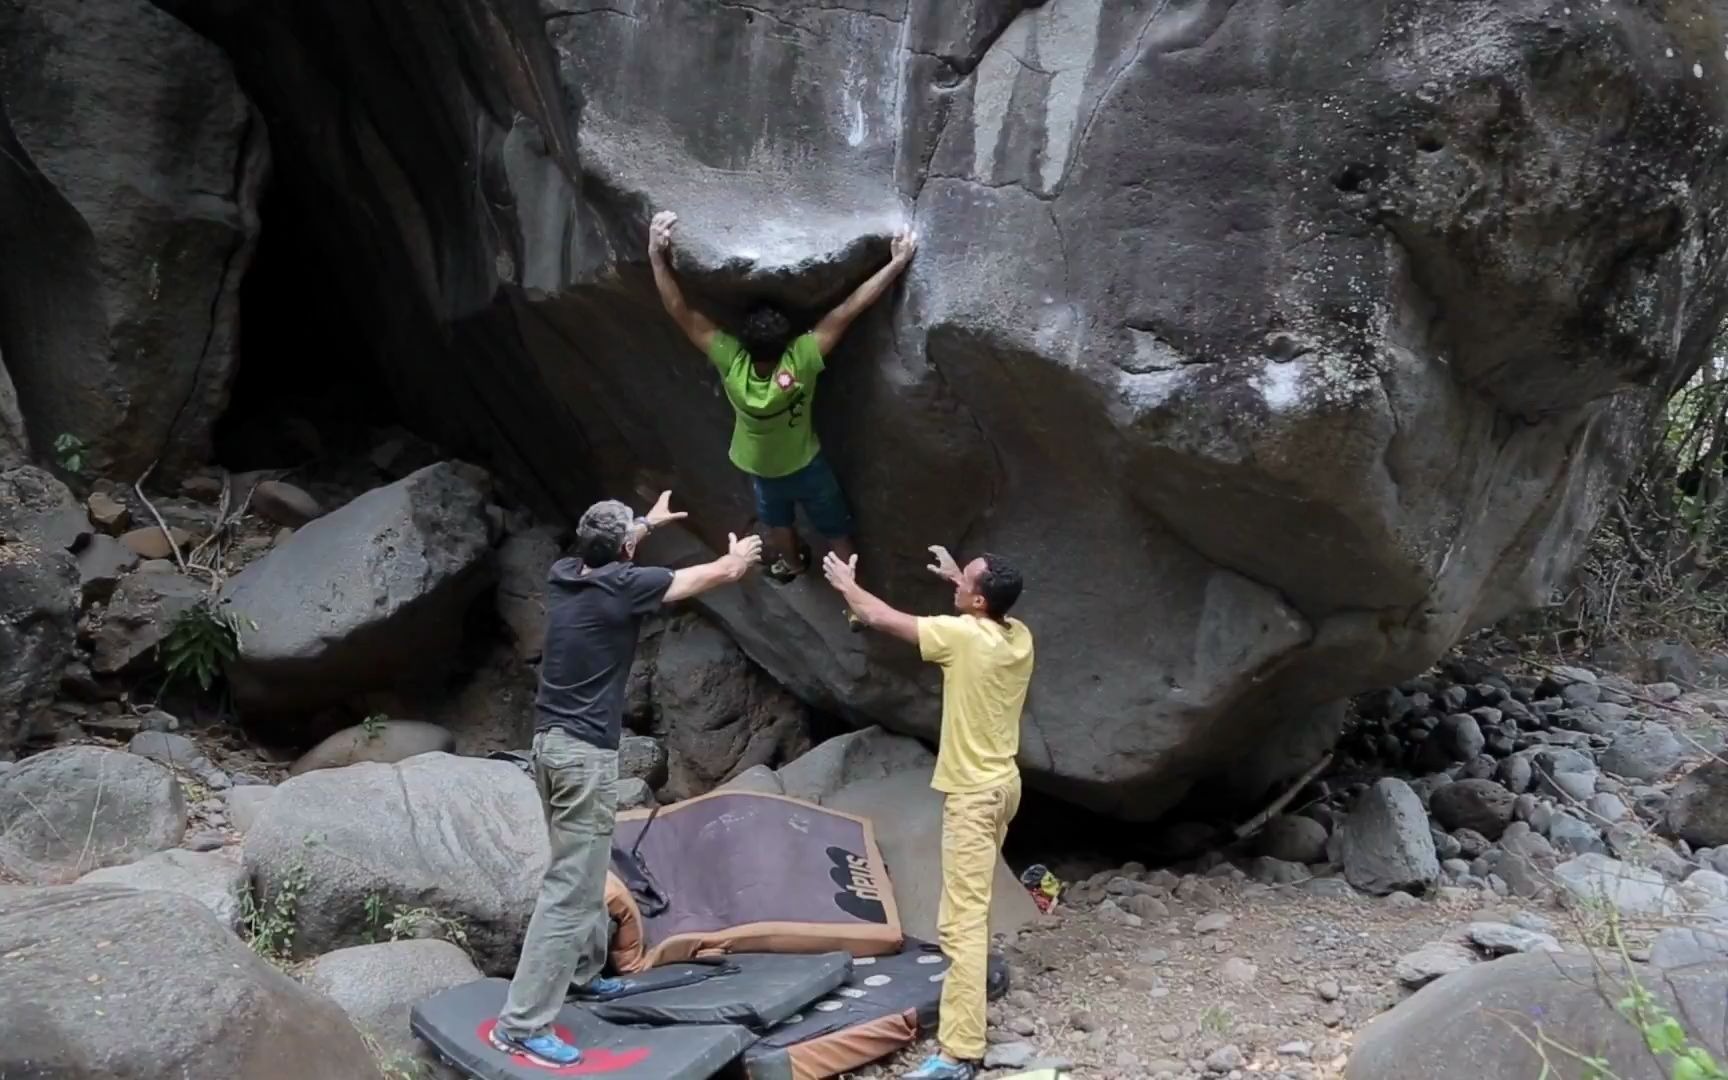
(458, 1025)
(885, 1004)
(757, 990)
(733, 872)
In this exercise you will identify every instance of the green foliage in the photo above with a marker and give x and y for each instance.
(1216, 1021)
(199, 642)
(373, 726)
(406, 923)
(1667, 1039)
(269, 926)
(70, 451)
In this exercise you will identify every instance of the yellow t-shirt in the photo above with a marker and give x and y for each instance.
(986, 667)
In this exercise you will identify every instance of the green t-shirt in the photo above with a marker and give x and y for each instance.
(772, 433)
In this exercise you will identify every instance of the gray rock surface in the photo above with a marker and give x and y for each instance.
(1647, 752)
(243, 804)
(150, 984)
(642, 758)
(14, 439)
(368, 597)
(1501, 939)
(524, 560)
(1631, 890)
(1435, 960)
(464, 837)
(139, 615)
(1697, 810)
(388, 742)
(719, 713)
(1457, 1026)
(102, 562)
(632, 793)
(1682, 947)
(39, 602)
(1292, 838)
(1180, 293)
(1384, 845)
(377, 985)
(214, 879)
(1481, 806)
(66, 812)
(132, 165)
(181, 753)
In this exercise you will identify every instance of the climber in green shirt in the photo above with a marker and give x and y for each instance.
(770, 380)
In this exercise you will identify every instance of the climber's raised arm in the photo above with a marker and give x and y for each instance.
(696, 326)
(833, 325)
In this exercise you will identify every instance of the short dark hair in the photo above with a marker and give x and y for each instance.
(601, 532)
(999, 585)
(766, 331)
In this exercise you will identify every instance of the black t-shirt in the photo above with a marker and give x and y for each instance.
(591, 627)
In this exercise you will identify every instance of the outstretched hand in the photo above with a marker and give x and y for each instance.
(662, 513)
(904, 246)
(944, 567)
(749, 549)
(841, 573)
(660, 231)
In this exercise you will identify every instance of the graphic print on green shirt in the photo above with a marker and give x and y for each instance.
(772, 431)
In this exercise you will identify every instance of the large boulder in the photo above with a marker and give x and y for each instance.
(886, 778)
(719, 713)
(108, 983)
(384, 741)
(377, 985)
(14, 439)
(214, 879)
(1595, 881)
(1385, 845)
(39, 595)
(524, 560)
(131, 170)
(368, 597)
(463, 838)
(1280, 315)
(69, 811)
(1470, 1023)
(1697, 809)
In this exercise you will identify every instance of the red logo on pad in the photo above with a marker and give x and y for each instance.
(596, 1062)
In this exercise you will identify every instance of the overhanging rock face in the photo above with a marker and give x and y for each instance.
(1279, 343)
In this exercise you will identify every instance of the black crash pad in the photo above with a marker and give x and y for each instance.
(860, 1021)
(757, 990)
(458, 1021)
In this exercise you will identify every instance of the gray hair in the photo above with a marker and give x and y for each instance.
(601, 533)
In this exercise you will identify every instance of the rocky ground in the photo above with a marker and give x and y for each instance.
(1495, 805)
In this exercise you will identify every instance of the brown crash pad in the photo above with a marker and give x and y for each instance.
(748, 872)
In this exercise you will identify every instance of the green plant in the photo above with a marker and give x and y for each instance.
(373, 726)
(69, 450)
(199, 641)
(1216, 1020)
(424, 922)
(269, 926)
(374, 917)
(1666, 1038)
(393, 1065)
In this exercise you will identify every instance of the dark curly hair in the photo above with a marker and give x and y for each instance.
(766, 332)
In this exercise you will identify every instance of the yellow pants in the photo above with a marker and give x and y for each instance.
(973, 826)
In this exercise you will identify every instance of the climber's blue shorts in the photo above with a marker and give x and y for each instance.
(816, 489)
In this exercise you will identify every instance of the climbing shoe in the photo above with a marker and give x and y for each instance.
(853, 622)
(546, 1049)
(783, 570)
(936, 1067)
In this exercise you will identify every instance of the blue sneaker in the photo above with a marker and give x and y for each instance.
(546, 1049)
(937, 1067)
(601, 987)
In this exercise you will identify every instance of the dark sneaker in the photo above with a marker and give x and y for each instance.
(546, 1050)
(936, 1067)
